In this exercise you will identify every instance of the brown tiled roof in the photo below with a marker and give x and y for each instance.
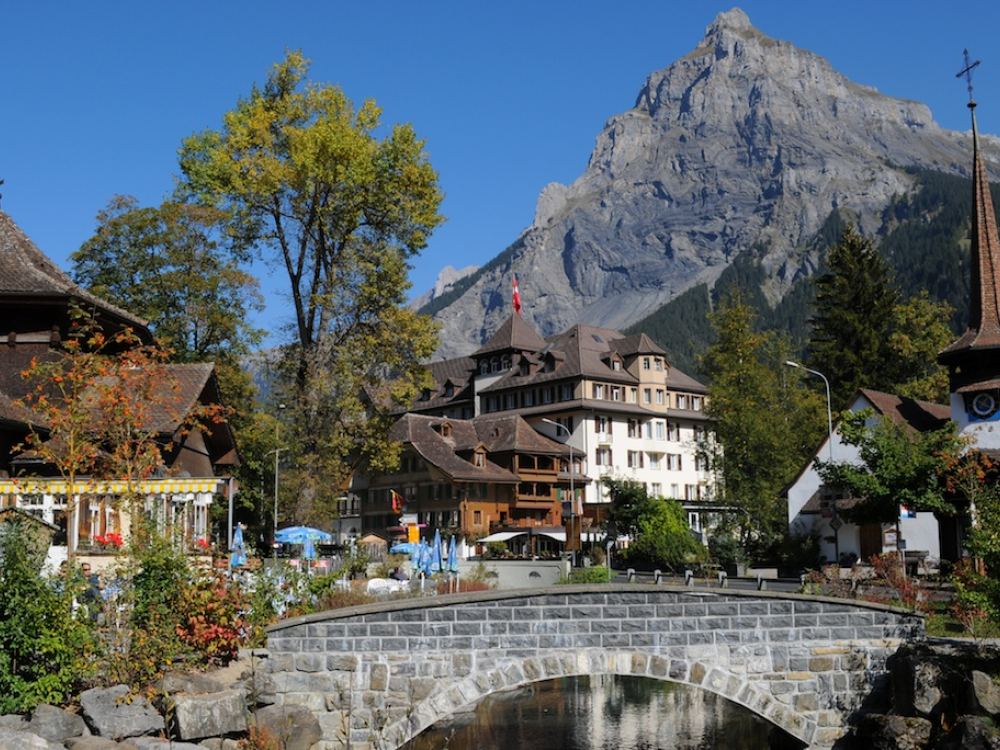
(638, 343)
(510, 432)
(459, 371)
(11, 411)
(681, 381)
(514, 333)
(419, 432)
(27, 271)
(920, 415)
(178, 394)
(983, 331)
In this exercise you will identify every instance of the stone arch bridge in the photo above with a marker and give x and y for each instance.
(383, 673)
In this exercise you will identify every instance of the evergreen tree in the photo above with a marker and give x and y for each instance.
(853, 318)
(765, 424)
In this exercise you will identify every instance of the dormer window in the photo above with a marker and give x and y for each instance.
(616, 365)
(449, 390)
(443, 428)
(479, 459)
(484, 367)
(426, 395)
(505, 363)
(525, 367)
(495, 364)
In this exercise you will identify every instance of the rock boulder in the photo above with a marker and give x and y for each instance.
(296, 726)
(115, 713)
(55, 724)
(208, 715)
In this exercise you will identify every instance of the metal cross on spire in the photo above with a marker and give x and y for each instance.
(967, 72)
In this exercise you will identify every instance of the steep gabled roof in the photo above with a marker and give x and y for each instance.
(983, 331)
(919, 415)
(637, 343)
(422, 434)
(510, 433)
(25, 271)
(682, 381)
(513, 334)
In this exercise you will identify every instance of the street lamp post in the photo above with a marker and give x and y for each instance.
(277, 452)
(835, 521)
(572, 489)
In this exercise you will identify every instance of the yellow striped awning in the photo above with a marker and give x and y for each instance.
(41, 486)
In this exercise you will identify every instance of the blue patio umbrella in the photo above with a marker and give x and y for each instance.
(452, 555)
(309, 553)
(436, 552)
(301, 534)
(403, 548)
(425, 559)
(238, 558)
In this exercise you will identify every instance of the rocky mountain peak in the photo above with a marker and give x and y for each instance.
(744, 144)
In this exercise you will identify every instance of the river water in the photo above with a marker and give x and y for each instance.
(604, 712)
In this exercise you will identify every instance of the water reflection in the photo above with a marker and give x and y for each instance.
(604, 712)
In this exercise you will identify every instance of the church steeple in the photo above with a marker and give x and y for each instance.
(973, 359)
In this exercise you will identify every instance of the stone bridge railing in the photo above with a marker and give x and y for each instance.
(381, 674)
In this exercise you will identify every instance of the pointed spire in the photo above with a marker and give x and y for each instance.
(983, 329)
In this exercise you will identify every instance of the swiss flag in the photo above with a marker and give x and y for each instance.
(516, 297)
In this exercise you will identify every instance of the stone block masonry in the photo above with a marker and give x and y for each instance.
(381, 674)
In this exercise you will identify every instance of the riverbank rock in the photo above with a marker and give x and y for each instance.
(295, 726)
(13, 740)
(986, 692)
(55, 724)
(188, 682)
(887, 732)
(208, 715)
(91, 742)
(16, 722)
(113, 712)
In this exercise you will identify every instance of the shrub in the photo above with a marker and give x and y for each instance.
(44, 649)
(211, 623)
(588, 575)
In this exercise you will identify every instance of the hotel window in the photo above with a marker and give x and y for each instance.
(674, 462)
(479, 459)
(673, 431)
(675, 491)
(645, 363)
(477, 518)
(700, 432)
(696, 403)
(649, 430)
(616, 393)
(654, 463)
(449, 390)
(692, 492)
(647, 395)
(659, 364)
(494, 365)
(528, 398)
(484, 367)
(682, 401)
(548, 395)
(635, 460)
(567, 392)
(598, 391)
(657, 489)
(511, 400)
(633, 395)
(659, 395)
(700, 463)
(602, 424)
(505, 363)
(616, 366)
(602, 456)
(660, 431)
(633, 428)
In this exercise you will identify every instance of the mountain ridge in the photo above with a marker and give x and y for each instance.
(746, 143)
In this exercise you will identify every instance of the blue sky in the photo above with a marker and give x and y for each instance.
(508, 95)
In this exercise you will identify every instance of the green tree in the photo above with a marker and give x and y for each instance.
(853, 314)
(897, 466)
(307, 182)
(919, 331)
(765, 425)
(44, 650)
(173, 265)
(658, 527)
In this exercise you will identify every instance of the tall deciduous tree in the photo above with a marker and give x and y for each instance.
(855, 301)
(173, 266)
(765, 425)
(307, 182)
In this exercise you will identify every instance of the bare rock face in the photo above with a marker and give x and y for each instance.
(55, 724)
(114, 713)
(745, 143)
(208, 714)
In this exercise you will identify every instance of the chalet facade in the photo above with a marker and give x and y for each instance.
(584, 404)
(36, 299)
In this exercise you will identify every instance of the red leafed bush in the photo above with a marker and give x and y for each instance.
(212, 621)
